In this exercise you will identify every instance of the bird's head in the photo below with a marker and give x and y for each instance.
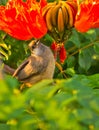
(36, 47)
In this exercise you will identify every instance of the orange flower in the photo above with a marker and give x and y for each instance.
(23, 20)
(88, 15)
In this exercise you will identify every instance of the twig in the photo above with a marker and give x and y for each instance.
(85, 47)
(60, 68)
(8, 69)
(71, 49)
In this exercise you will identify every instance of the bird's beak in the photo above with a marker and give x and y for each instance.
(31, 44)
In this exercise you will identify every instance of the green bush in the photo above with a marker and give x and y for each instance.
(51, 104)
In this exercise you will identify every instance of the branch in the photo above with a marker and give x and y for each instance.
(85, 47)
(8, 69)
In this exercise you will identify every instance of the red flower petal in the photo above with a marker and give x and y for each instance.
(59, 49)
(88, 16)
(54, 46)
(23, 20)
(43, 3)
(62, 53)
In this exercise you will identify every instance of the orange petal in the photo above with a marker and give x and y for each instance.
(88, 16)
(21, 20)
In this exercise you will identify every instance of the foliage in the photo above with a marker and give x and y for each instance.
(3, 2)
(68, 102)
(51, 104)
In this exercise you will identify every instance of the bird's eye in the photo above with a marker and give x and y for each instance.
(35, 45)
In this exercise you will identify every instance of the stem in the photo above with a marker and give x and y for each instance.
(61, 69)
(64, 74)
(59, 66)
(8, 69)
(71, 49)
(85, 47)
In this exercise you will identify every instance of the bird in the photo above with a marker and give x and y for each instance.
(38, 66)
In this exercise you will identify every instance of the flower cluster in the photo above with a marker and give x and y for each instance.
(87, 16)
(23, 20)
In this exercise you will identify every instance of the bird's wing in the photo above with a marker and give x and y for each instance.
(30, 67)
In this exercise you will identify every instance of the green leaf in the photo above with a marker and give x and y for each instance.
(91, 34)
(75, 38)
(70, 71)
(96, 47)
(85, 59)
(94, 80)
(3, 2)
(4, 126)
(60, 76)
(71, 62)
